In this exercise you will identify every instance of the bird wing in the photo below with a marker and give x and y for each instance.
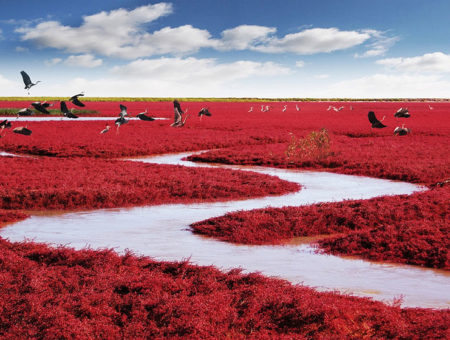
(76, 102)
(372, 117)
(76, 96)
(40, 108)
(25, 77)
(123, 110)
(64, 108)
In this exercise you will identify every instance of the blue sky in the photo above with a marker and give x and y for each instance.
(227, 48)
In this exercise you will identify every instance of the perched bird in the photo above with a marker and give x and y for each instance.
(143, 116)
(25, 112)
(22, 130)
(251, 109)
(41, 107)
(262, 108)
(65, 111)
(284, 108)
(74, 99)
(330, 107)
(204, 112)
(106, 129)
(375, 122)
(338, 108)
(401, 131)
(402, 113)
(297, 108)
(27, 81)
(430, 107)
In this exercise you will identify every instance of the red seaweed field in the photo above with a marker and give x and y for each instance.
(64, 293)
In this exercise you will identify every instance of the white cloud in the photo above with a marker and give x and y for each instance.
(391, 86)
(245, 37)
(83, 60)
(321, 76)
(21, 49)
(314, 40)
(429, 62)
(114, 33)
(300, 63)
(380, 44)
(121, 33)
(195, 70)
(53, 61)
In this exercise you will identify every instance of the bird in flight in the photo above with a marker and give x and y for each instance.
(42, 107)
(22, 130)
(204, 112)
(122, 120)
(402, 113)
(143, 116)
(65, 111)
(27, 81)
(74, 99)
(375, 122)
(401, 131)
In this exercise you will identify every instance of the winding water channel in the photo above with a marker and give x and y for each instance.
(162, 233)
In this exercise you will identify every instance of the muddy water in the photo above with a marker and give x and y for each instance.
(162, 233)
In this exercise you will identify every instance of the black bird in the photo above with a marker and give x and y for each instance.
(22, 130)
(177, 114)
(25, 112)
(41, 107)
(375, 122)
(204, 112)
(402, 113)
(65, 111)
(401, 131)
(27, 81)
(5, 124)
(74, 99)
(143, 116)
(121, 120)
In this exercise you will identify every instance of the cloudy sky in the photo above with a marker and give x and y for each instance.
(227, 48)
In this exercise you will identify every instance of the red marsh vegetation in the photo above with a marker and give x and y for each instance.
(78, 183)
(62, 293)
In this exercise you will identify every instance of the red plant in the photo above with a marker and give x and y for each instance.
(411, 229)
(62, 293)
(48, 183)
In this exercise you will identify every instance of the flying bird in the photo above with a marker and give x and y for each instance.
(27, 81)
(5, 124)
(25, 112)
(22, 130)
(402, 113)
(122, 120)
(74, 99)
(65, 111)
(375, 122)
(181, 123)
(401, 131)
(143, 116)
(204, 112)
(41, 107)
(177, 120)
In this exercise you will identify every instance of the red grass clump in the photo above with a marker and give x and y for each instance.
(48, 183)
(7, 216)
(412, 229)
(62, 293)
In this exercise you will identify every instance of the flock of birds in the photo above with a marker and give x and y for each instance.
(178, 120)
(123, 114)
(399, 130)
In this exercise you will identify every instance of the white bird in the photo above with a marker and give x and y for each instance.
(251, 109)
(297, 108)
(284, 108)
(106, 129)
(430, 107)
(262, 108)
(329, 108)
